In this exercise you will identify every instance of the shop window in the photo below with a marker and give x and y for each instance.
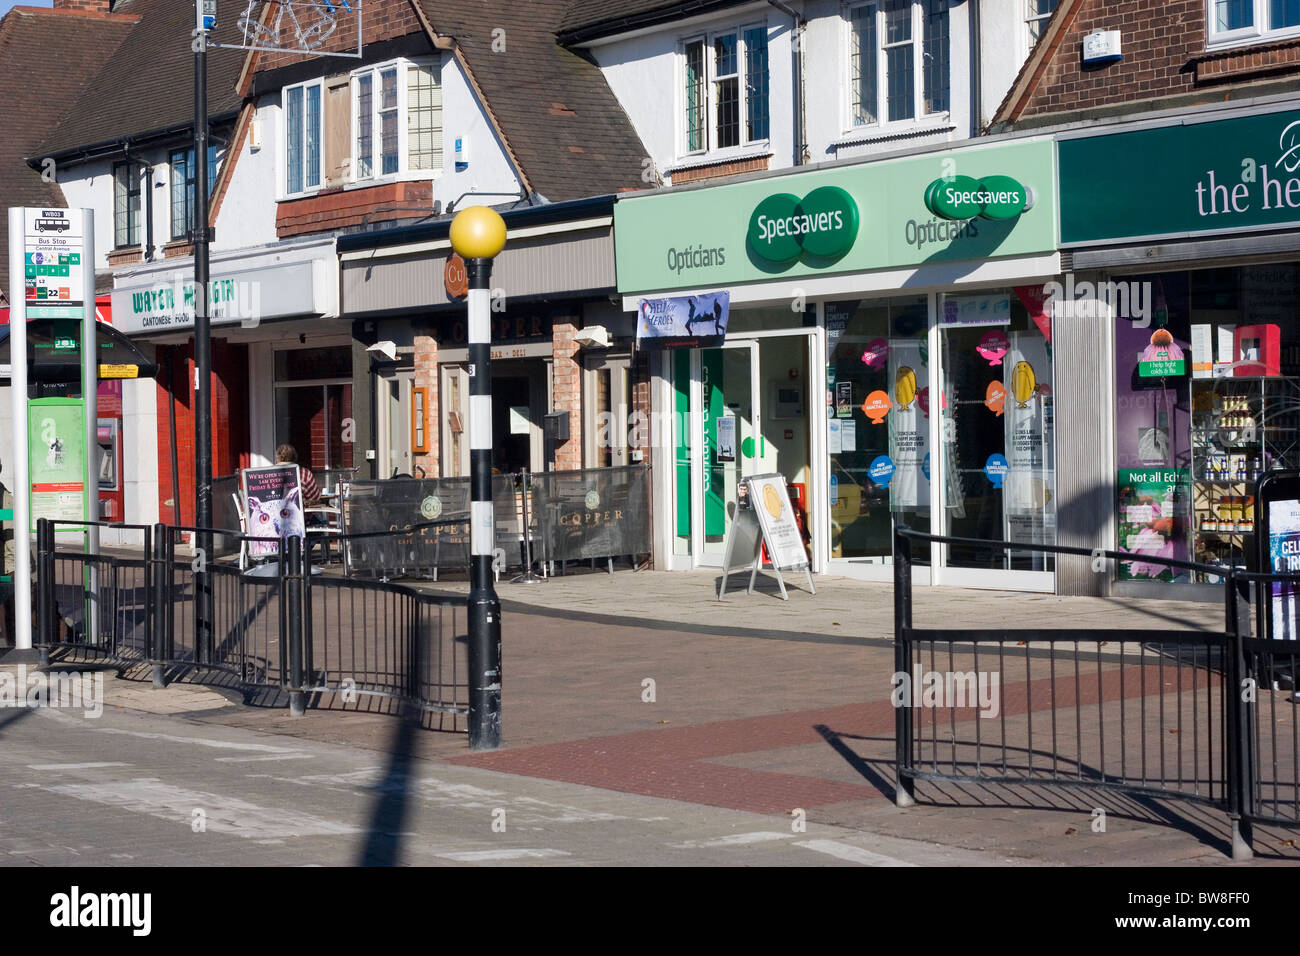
(1245, 21)
(126, 205)
(877, 425)
(726, 80)
(303, 155)
(397, 120)
(997, 427)
(183, 188)
(1208, 376)
(898, 60)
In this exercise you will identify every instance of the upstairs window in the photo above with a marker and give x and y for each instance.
(302, 138)
(183, 188)
(725, 92)
(396, 120)
(1242, 21)
(898, 60)
(126, 205)
(1037, 13)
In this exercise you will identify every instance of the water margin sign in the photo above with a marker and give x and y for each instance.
(1195, 179)
(720, 236)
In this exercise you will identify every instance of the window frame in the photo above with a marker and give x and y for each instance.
(404, 172)
(1041, 19)
(708, 40)
(282, 184)
(133, 223)
(190, 182)
(919, 117)
(1245, 36)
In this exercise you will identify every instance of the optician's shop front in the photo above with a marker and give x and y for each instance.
(876, 333)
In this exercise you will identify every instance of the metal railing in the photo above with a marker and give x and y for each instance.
(1184, 714)
(280, 630)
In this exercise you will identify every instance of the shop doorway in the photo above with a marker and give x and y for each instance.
(749, 415)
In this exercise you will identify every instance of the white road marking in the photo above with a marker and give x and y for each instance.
(289, 756)
(735, 839)
(222, 814)
(479, 856)
(853, 854)
(74, 766)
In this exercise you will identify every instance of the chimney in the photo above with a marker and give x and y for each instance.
(84, 6)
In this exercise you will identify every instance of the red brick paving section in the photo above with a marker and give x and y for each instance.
(672, 763)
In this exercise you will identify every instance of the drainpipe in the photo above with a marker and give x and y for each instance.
(800, 120)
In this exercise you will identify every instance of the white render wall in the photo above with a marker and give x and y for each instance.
(643, 71)
(247, 214)
(490, 170)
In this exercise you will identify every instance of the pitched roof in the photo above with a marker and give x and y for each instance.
(587, 19)
(148, 84)
(1032, 70)
(28, 37)
(560, 121)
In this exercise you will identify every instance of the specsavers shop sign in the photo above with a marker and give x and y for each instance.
(1186, 179)
(849, 219)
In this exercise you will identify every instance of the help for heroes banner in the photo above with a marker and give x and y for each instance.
(693, 321)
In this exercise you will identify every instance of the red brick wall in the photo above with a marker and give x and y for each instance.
(381, 20)
(230, 432)
(717, 170)
(567, 391)
(1164, 55)
(426, 377)
(84, 6)
(639, 385)
(336, 208)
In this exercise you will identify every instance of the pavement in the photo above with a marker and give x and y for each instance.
(645, 722)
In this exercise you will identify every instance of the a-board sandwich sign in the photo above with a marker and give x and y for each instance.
(272, 507)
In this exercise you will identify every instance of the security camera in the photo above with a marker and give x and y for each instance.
(386, 348)
(596, 336)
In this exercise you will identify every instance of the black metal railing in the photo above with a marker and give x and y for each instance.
(1185, 714)
(280, 627)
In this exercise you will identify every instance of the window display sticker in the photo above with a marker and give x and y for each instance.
(977, 309)
(996, 469)
(876, 353)
(905, 387)
(835, 491)
(726, 438)
(834, 436)
(925, 466)
(834, 332)
(881, 470)
(877, 406)
(923, 401)
(995, 397)
(1162, 358)
(1024, 384)
(993, 346)
(844, 400)
(1139, 514)
(848, 435)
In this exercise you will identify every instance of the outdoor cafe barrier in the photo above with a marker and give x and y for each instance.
(282, 632)
(546, 518)
(1164, 712)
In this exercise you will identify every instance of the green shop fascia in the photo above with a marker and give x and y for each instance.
(807, 256)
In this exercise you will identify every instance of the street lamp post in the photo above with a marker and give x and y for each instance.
(478, 234)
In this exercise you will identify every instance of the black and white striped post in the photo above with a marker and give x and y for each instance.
(478, 234)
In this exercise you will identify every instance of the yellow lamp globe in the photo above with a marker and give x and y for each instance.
(478, 232)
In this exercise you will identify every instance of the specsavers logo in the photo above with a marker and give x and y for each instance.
(995, 198)
(822, 225)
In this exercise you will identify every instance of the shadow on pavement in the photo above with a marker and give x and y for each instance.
(384, 831)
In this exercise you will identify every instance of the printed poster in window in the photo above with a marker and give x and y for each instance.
(843, 399)
(909, 425)
(727, 438)
(1027, 413)
(1284, 558)
(1150, 523)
